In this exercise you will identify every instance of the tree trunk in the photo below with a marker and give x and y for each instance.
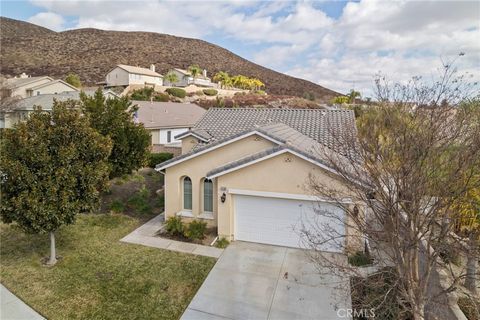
(470, 279)
(418, 312)
(53, 255)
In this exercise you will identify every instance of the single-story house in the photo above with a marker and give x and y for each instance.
(185, 79)
(25, 86)
(20, 110)
(165, 120)
(246, 171)
(123, 75)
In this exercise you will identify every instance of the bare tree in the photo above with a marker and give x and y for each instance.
(410, 160)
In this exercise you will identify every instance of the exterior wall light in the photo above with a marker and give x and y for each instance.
(223, 197)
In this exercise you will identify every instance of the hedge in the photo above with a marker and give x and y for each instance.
(162, 97)
(210, 92)
(156, 158)
(176, 92)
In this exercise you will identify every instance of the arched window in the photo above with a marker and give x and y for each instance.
(187, 193)
(207, 195)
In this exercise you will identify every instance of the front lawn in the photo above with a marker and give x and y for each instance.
(98, 277)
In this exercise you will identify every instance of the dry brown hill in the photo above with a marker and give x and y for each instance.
(91, 53)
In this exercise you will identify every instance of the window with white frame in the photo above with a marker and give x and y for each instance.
(207, 195)
(187, 193)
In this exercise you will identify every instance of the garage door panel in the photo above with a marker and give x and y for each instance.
(278, 221)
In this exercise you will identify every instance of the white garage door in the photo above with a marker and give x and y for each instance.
(280, 221)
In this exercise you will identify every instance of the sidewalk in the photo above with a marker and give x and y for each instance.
(12, 308)
(145, 235)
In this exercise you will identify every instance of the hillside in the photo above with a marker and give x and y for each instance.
(91, 53)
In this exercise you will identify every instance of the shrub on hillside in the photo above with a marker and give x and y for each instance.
(196, 230)
(156, 158)
(143, 94)
(210, 92)
(176, 92)
(161, 97)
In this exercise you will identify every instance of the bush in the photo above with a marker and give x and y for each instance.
(470, 309)
(210, 92)
(196, 230)
(260, 92)
(176, 92)
(174, 226)
(139, 201)
(199, 93)
(143, 94)
(161, 97)
(156, 158)
(360, 259)
(117, 207)
(222, 243)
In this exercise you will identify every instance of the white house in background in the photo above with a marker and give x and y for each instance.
(165, 120)
(21, 109)
(185, 79)
(123, 75)
(25, 86)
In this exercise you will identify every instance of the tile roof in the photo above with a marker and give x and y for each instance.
(18, 82)
(323, 126)
(139, 70)
(168, 114)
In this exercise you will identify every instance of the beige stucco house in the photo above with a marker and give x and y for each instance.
(124, 75)
(246, 171)
(25, 86)
(166, 120)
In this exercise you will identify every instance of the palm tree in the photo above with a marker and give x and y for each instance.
(353, 95)
(195, 70)
(224, 79)
(171, 78)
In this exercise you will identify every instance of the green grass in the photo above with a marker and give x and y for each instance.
(99, 277)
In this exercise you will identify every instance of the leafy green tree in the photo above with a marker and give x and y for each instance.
(195, 70)
(74, 80)
(115, 118)
(171, 77)
(52, 167)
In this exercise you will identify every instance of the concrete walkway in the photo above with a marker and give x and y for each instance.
(12, 308)
(146, 236)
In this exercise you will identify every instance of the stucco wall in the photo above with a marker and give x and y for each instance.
(188, 143)
(197, 168)
(22, 91)
(117, 77)
(284, 173)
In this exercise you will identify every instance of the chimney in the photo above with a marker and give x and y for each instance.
(152, 67)
(204, 73)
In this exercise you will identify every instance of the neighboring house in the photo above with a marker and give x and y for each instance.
(245, 171)
(20, 110)
(123, 75)
(185, 79)
(25, 86)
(165, 120)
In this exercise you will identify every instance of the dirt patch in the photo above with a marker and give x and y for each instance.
(139, 195)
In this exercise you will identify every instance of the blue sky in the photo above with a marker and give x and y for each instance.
(337, 44)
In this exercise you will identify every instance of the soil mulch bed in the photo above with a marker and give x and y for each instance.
(210, 235)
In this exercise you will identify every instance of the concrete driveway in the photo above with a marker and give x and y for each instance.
(256, 281)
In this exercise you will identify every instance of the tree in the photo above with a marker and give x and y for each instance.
(353, 95)
(402, 175)
(195, 70)
(467, 209)
(52, 167)
(74, 80)
(340, 100)
(114, 118)
(224, 78)
(171, 77)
